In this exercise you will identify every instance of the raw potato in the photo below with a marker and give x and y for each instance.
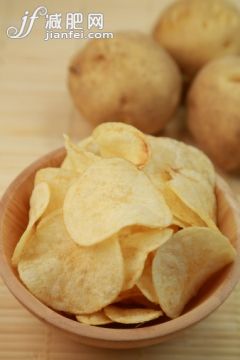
(197, 31)
(213, 111)
(128, 78)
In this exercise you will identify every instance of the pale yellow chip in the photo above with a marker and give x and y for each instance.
(182, 265)
(96, 318)
(77, 158)
(179, 223)
(135, 297)
(135, 249)
(124, 141)
(145, 283)
(131, 315)
(195, 194)
(67, 277)
(128, 294)
(111, 195)
(58, 180)
(180, 210)
(39, 201)
(89, 145)
(169, 154)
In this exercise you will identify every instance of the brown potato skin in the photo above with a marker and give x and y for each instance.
(128, 78)
(198, 31)
(214, 111)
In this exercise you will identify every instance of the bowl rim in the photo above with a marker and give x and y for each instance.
(72, 327)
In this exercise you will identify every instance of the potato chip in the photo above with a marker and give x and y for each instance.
(96, 318)
(197, 195)
(131, 315)
(77, 159)
(39, 201)
(180, 210)
(67, 277)
(179, 223)
(128, 294)
(169, 154)
(135, 297)
(145, 283)
(135, 249)
(185, 262)
(123, 141)
(89, 145)
(58, 181)
(111, 195)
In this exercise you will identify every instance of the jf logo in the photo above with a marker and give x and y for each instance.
(25, 30)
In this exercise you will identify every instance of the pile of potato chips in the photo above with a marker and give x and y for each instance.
(124, 231)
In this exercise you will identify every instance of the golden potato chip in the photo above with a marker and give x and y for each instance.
(131, 315)
(77, 158)
(111, 195)
(185, 262)
(135, 297)
(124, 141)
(169, 154)
(197, 195)
(179, 222)
(96, 318)
(128, 294)
(145, 282)
(180, 210)
(39, 201)
(58, 181)
(67, 277)
(88, 144)
(135, 249)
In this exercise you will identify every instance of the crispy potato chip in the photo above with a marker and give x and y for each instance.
(180, 210)
(197, 195)
(169, 154)
(123, 141)
(145, 283)
(96, 318)
(185, 262)
(77, 158)
(39, 201)
(88, 144)
(179, 223)
(135, 249)
(58, 181)
(128, 294)
(135, 297)
(68, 277)
(111, 195)
(131, 315)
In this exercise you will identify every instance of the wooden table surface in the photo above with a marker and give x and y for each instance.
(35, 111)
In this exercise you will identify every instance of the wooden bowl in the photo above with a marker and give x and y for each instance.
(13, 220)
